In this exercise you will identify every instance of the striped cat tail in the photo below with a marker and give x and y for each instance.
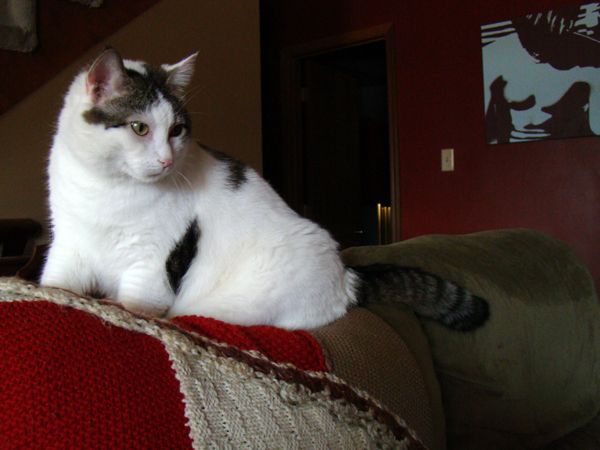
(425, 293)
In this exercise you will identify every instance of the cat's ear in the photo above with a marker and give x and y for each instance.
(180, 74)
(106, 76)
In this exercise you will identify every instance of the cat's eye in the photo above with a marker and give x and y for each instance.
(140, 128)
(177, 130)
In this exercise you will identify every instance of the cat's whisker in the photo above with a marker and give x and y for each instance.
(177, 185)
(186, 99)
(189, 96)
(185, 178)
(193, 91)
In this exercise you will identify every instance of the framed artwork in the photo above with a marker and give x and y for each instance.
(541, 75)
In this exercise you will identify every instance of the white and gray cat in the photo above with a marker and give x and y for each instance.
(145, 215)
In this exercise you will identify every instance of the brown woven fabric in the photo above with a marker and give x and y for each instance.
(369, 354)
(409, 328)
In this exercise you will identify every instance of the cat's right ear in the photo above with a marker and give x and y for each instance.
(106, 76)
(180, 74)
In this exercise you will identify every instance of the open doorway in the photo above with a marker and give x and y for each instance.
(345, 143)
(340, 148)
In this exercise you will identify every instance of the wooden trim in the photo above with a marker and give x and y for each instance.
(292, 140)
(291, 122)
(338, 42)
(392, 100)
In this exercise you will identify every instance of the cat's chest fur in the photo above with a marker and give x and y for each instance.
(111, 208)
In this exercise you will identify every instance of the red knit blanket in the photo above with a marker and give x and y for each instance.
(298, 347)
(75, 373)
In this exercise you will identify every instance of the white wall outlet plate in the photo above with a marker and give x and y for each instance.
(447, 159)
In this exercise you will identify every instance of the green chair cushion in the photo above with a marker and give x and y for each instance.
(532, 373)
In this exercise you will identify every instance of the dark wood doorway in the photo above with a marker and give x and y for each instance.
(340, 160)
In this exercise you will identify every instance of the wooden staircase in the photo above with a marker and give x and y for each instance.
(65, 31)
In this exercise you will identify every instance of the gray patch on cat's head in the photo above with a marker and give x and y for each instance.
(140, 91)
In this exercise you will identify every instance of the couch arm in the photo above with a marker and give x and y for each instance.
(532, 373)
(394, 367)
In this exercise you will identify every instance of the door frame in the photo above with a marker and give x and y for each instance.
(291, 98)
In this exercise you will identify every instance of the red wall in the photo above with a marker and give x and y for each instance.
(552, 186)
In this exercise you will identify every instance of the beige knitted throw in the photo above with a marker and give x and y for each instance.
(240, 399)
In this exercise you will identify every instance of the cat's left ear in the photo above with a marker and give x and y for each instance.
(180, 74)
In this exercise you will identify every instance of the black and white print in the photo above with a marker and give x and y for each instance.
(542, 75)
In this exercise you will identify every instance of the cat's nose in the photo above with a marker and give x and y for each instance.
(166, 162)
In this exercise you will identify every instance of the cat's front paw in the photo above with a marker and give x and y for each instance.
(72, 285)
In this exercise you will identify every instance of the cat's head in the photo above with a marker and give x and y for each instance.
(134, 116)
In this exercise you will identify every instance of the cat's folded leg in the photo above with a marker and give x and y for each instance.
(66, 269)
(145, 290)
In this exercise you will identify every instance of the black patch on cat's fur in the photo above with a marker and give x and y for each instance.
(428, 295)
(181, 256)
(140, 91)
(237, 169)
